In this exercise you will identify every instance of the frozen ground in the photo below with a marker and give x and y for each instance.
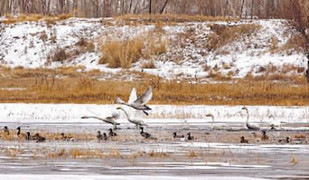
(213, 154)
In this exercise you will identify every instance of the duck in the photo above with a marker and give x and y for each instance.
(111, 133)
(138, 123)
(66, 138)
(264, 136)
(146, 135)
(177, 136)
(39, 138)
(20, 135)
(243, 140)
(285, 140)
(189, 137)
(6, 130)
(29, 137)
(140, 102)
(99, 136)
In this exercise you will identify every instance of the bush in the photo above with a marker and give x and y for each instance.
(121, 53)
(59, 55)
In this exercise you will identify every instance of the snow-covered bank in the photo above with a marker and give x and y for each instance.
(31, 44)
(70, 113)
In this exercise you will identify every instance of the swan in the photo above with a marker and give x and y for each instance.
(138, 123)
(140, 102)
(250, 126)
(213, 127)
(109, 119)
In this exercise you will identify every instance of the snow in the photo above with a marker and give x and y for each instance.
(21, 45)
(160, 114)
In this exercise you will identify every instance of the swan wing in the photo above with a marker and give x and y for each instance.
(133, 96)
(118, 100)
(146, 97)
(114, 116)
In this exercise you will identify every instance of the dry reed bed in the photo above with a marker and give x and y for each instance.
(66, 85)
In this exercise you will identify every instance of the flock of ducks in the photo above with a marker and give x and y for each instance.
(140, 104)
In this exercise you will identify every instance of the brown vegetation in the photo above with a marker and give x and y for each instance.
(45, 86)
(223, 34)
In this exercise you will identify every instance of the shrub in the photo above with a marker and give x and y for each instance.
(121, 53)
(58, 55)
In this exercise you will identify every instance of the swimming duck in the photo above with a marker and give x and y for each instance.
(111, 133)
(39, 138)
(189, 137)
(243, 140)
(177, 136)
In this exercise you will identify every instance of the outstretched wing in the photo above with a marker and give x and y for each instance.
(113, 117)
(118, 100)
(133, 96)
(145, 98)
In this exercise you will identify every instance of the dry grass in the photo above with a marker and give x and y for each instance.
(34, 17)
(223, 34)
(192, 154)
(123, 53)
(157, 154)
(294, 160)
(148, 65)
(295, 43)
(66, 85)
(168, 18)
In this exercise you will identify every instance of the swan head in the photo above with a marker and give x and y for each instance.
(174, 134)
(110, 130)
(209, 115)
(244, 108)
(62, 134)
(99, 132)
(119, 108)
(242, 138)
(264, 132)
(5, 128)
(18, 128)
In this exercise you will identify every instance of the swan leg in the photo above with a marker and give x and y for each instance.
(145, 112)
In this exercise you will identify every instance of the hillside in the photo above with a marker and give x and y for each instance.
(206, 51)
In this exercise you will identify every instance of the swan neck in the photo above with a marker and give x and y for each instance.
(127, 115)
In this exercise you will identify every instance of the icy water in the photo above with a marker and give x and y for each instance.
(212, 154)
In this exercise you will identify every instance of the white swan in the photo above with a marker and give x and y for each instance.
(138, 123)
(250, 126)
(110, 119)
(213, 127)
(140, 102)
